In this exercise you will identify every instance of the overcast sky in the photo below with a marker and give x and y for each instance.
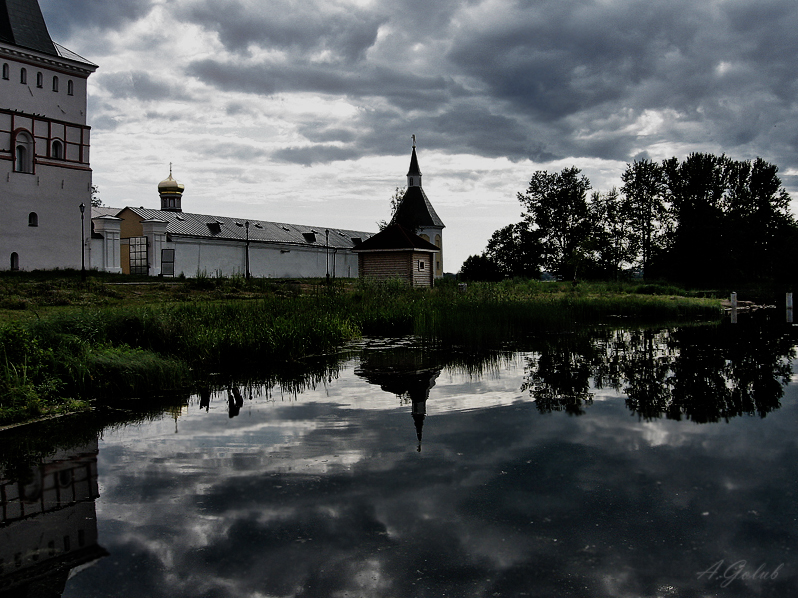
(302, 112)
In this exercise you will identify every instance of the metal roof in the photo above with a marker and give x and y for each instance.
(70, 55)
(260, 231)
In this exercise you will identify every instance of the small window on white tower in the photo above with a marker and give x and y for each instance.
(55, 83)
(33, 219)
(6, 70)
(23, 76)
(23, 153)
(39, 79)
(58, 150)
(70, 88)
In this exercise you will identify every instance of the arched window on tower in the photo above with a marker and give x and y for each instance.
(14, 261)
(6, 71)
(23, 152)
(70, 87)
(55, 83)
(33, 219)
(57, 151)
(39, 79)
(23, 76)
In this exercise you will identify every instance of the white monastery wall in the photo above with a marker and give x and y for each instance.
(267, 261)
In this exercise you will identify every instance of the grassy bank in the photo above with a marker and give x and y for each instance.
(57, 357)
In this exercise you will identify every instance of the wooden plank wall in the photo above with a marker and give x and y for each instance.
(404, 265)
(422, 277)
(382, 266)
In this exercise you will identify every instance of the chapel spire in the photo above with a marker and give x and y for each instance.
(414, 173)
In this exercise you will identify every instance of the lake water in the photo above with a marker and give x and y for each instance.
(613, 463)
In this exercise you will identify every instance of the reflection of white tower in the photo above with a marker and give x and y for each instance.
(49, 524)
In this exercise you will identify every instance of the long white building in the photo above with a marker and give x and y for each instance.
(170, 242)
(44, 144)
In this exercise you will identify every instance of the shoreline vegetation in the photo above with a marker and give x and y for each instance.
(69, 345)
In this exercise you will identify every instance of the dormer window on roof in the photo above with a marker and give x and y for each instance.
(214, 227)
(310, 237)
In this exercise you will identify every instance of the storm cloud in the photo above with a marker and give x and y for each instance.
(581, 82)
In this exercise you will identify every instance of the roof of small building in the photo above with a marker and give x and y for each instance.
(416, 210)
(395, 237)
(224, 227)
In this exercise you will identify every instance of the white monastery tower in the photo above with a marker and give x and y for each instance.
(44, 145)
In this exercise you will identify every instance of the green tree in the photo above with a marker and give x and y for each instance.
(756, 219)
(644, 209)
(695, 190)
(480, 267)
(516, 251)
(556, 207)
(96, 202)
(396, 199)
(611, 242)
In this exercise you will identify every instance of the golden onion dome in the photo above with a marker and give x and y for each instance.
(169, 185)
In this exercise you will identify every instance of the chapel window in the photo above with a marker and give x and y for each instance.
(57, 150)
(39, 80)
(6, 73)
(23, 76)
(15, 261)
(55, 83)
(70, 88)
(33, 219)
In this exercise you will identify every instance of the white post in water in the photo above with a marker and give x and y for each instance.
(734, 308)
(789, 308)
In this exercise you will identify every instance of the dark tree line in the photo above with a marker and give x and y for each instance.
(706, 219)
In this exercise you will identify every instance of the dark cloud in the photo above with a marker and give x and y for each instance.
(315, 154)
(539, 79)
(139, 85)
(298, 28)
(271, 78)
(64, 17)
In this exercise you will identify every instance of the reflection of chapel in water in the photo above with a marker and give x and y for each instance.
(48, 524)
(407, 374)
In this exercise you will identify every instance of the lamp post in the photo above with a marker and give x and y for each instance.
(327, 249)
(82, 245)
(246, 225)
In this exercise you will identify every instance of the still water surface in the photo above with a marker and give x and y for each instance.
(617, 463)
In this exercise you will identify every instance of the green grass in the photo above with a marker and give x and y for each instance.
(56, 361)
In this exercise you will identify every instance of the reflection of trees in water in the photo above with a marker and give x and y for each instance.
(558, 377)
(701, 373)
